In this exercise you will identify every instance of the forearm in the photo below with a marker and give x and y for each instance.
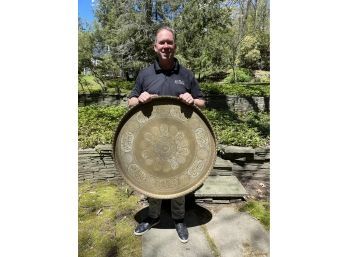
(199, 103)
(133, 101)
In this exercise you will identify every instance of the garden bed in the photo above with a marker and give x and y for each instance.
(97, 125)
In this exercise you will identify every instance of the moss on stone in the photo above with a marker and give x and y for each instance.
(106, 221)
(259, 210)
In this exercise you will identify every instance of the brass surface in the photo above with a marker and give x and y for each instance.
(164, 148)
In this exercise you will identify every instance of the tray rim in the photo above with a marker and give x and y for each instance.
(156, 101)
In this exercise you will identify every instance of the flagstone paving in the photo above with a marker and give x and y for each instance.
(222, 231)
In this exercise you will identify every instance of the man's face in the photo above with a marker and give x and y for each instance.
(165, 46)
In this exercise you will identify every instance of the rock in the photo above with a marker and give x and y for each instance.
(239, 150)
(222, 164)
(237, 153)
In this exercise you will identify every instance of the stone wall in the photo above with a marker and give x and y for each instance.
(96, 164)
(105, 99)
(250, 165)
(238, 103)
(233, 103)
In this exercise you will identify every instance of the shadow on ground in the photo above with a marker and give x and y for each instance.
(195, 215)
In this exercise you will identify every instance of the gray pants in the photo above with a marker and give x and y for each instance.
(177, 207)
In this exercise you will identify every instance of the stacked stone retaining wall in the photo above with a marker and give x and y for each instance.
(96, 164)
(238, 103)
(250, 165)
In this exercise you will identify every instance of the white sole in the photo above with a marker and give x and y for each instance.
(183, 241)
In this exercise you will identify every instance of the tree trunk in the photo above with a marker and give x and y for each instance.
(243, 17)
(234, 73)
(100, 81)
(255, 15)
(148, 11)
(127, 76)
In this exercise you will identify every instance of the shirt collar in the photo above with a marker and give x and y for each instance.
(175, 69)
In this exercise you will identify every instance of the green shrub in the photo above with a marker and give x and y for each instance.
(259, 120)
(212, 88)
(122, 84)
(238, 129)
(262, 76)
(235, 89)
(242, 75)
(88, 84)
(97, 124)
(116, 86)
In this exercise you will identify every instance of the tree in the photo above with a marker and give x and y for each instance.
(212, 35)
(258, 29)
(85, 47)
(127, 28)
(249, 34)
(250, 54)
(200, 28)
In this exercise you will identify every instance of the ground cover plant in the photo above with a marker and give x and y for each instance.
(97, 126)
(240, 129)
(235, 89)
(259, 210)
(88, 84)
(105, 221)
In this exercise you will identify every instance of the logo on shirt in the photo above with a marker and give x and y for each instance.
(179, 82)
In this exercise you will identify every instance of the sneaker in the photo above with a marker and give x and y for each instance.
(145, 226)
(181, 229)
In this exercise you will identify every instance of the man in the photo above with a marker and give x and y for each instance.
(166, 77)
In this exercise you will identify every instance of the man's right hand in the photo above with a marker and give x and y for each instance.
(145, 97)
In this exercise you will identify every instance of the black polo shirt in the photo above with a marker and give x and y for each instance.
(174, 82)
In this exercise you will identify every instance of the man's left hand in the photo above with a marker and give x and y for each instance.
(186, 98)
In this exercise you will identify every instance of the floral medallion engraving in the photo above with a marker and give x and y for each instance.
(165, 148)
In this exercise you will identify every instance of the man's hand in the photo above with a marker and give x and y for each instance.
(145, 97)
(186, 98)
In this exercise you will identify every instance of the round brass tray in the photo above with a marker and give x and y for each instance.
(164, 148)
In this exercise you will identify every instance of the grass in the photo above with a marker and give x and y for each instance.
(88, 84)
(259, 210)
(212, 245)
(106, 221)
